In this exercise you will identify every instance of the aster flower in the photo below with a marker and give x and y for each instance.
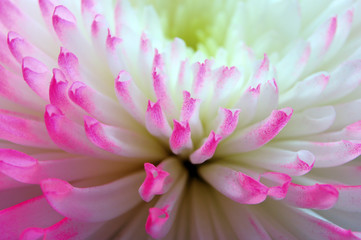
(180, 119)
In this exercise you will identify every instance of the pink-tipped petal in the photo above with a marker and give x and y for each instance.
(98, 105)
(59, 96)
(160, 84)
(67, 134)
(318, 196)
(121, 141)
(37, 76)
(69, 64)
(155, 120)
(233, 184)
(202, 72)
(63, 21)
(207, 149)
(228, 122)
(157, 218)
(18, 46)
(258, 134)
(320, 41)
(25, 130)
(130, 97)
(180, 139)
(189, 106)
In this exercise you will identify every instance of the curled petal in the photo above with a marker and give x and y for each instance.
(278, 184)
(159, 179)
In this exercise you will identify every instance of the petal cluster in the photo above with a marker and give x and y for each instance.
(124, 120)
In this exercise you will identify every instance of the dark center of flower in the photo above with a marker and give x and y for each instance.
(192, 169)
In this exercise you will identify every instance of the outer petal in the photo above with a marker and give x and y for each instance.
(83, 203)
(19, 217)
(64, 229)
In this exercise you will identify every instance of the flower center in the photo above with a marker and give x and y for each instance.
(192, 169)
(202, 25)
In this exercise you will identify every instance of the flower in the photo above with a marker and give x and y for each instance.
(226, 120)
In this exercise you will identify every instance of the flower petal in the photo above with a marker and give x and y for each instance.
(122, 142)
(25, 130)
(235, 185)
(67, 134)
(37, 76)
(19, 217)
(327, 154)
(207, 149)
(159, 179)
(83, 203)
(318, 196)
(258, 134)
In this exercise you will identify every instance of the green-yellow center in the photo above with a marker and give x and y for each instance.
(202, 25)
